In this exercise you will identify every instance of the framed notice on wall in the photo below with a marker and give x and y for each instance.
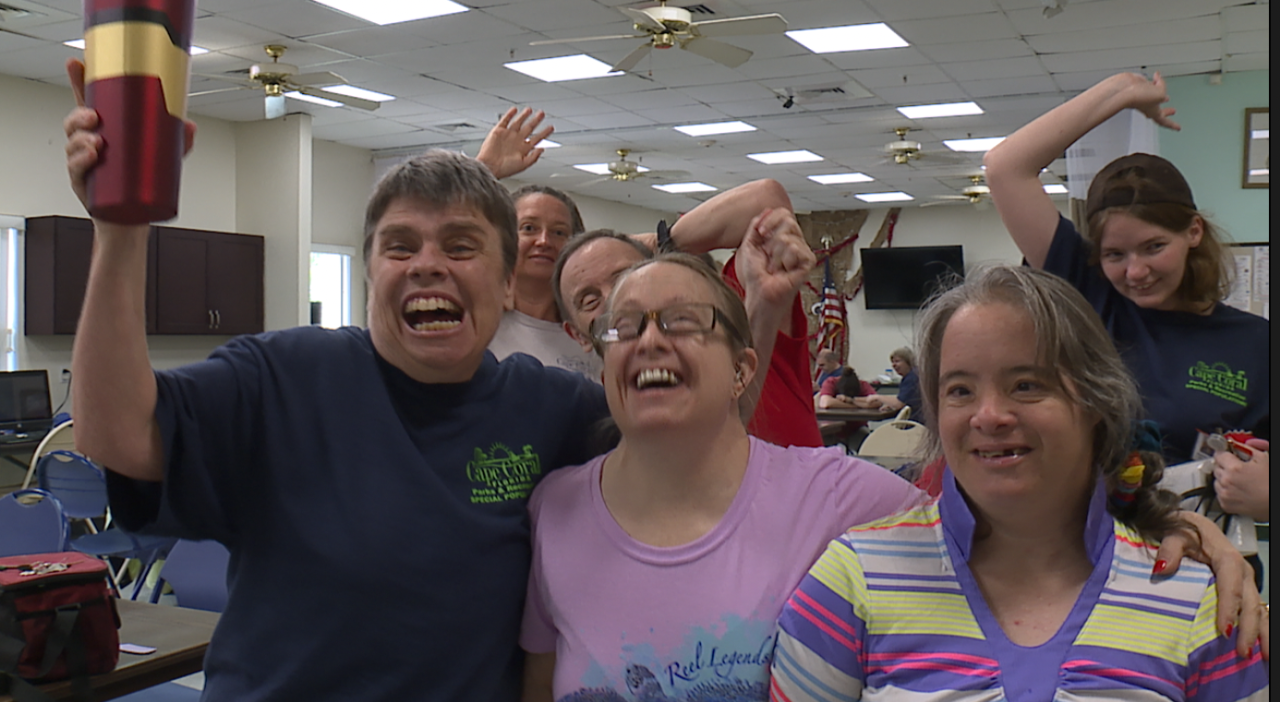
(1251, 289)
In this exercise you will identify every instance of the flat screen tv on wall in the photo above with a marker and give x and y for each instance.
(903, 277)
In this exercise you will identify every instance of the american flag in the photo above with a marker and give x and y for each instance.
(833, 332)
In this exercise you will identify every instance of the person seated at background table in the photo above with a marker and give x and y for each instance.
(846, 391)
(686, 538)
(590, 264)
(827, 366)
(1150, 262)
(1029, 579)
(903, 361)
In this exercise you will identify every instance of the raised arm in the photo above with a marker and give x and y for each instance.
(115, 388)
(1014, 165)
(723, 221)
(511, 146)
(772, 262)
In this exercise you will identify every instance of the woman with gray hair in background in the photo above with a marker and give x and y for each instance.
(1030, 577)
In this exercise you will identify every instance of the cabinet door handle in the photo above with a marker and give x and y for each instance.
(217, 319)
(210, 319)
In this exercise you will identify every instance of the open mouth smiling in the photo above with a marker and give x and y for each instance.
(428, 314)
(657, 378)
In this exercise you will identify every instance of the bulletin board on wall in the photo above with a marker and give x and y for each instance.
(1251, 288)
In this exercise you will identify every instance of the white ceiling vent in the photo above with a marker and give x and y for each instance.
(826, 92)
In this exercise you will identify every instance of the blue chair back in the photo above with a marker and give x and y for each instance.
(75, 481)
(197, 571)
(32, 521)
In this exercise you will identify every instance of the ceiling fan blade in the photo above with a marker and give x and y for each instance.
(574, 40)
(642, 20)
(214, 92)
(717, 51)
(229, 79)
(935, 203)
(275, 106)
(347, 100)
(742, 26)
(633, 58)
(320, 78)
(665, 174)
(596, 181)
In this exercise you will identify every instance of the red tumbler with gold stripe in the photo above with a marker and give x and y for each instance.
(137, 60)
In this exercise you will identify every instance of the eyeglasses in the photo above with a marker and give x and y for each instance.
(677, 320)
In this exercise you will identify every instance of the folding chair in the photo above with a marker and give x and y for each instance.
(32, 521)
(897, 438)
(82, 489)
(60, 438)
(197, 572)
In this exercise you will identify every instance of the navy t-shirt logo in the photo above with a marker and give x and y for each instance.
(1219, 381)
(502, 474)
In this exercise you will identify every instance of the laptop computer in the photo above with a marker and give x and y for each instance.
(25, 405)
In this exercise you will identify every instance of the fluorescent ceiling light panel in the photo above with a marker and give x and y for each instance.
(854, 37)
(601, 168)
(694, 187)
(975, 145)
(574, 67)
(308, 98)
(839, 178)
(392, 11)
(353, 91)
(697, 130)
(547, 144)
(1055, 189)
(949, 109)
(1261, 134)
(884, 197)
(79, 44)
(776, 157)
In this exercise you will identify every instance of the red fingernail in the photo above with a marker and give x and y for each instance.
(1230, 628)
(1159, 567)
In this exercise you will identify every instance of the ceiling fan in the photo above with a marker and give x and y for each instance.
(663, 27)
(904, 151)
(625, 171)
(276, 79)
(976, 194)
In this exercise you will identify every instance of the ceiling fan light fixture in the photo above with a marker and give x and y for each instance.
(692, 187)
(896, 196)
(699, 130)
(383, 12)
(972, 145)
(841, 178)
(311, 98)
(353, 91)
(949, 109)
(602, 168)
(559, 68)
(773, 158)
(853, 37)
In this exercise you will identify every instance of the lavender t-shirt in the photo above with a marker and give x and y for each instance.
(629, 621)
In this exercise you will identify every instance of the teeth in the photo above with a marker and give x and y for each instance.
(656, 376)
(1001, 454)
(431, 304)
(435, 326)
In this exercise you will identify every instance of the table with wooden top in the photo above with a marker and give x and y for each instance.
(180, 637)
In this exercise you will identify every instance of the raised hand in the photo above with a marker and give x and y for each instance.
(774, 258)
(511, 145)
(83, 141)
(1149, 97)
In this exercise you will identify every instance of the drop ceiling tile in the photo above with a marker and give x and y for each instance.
(297, 52)
(997, 68)
(357, 130)
(461, 28)
(391, 141)
(1243, 18)
(749, 109)
(880, 58)
(1247, 42)
(296, 18)
(892, 10)
(534, 94)
(612, 85)
(1154, 33)
(1085, 16)
(56, 31)
(568, 108)
(986, 26)
(1247, 62)
(13, 42)
(921, 94)
(613, 120)
(413, 87)
(481, 77)
(1135, 57)
(46, 62)
(977, 51)
(216, 32)
(370, 41)
(1008, 86)
(1194, 68)
(899, 77)
(560, 14)
(655, 98)
(808, 14)
(784, 67)
(688, 114)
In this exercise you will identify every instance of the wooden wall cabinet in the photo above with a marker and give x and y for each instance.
(198, 282)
